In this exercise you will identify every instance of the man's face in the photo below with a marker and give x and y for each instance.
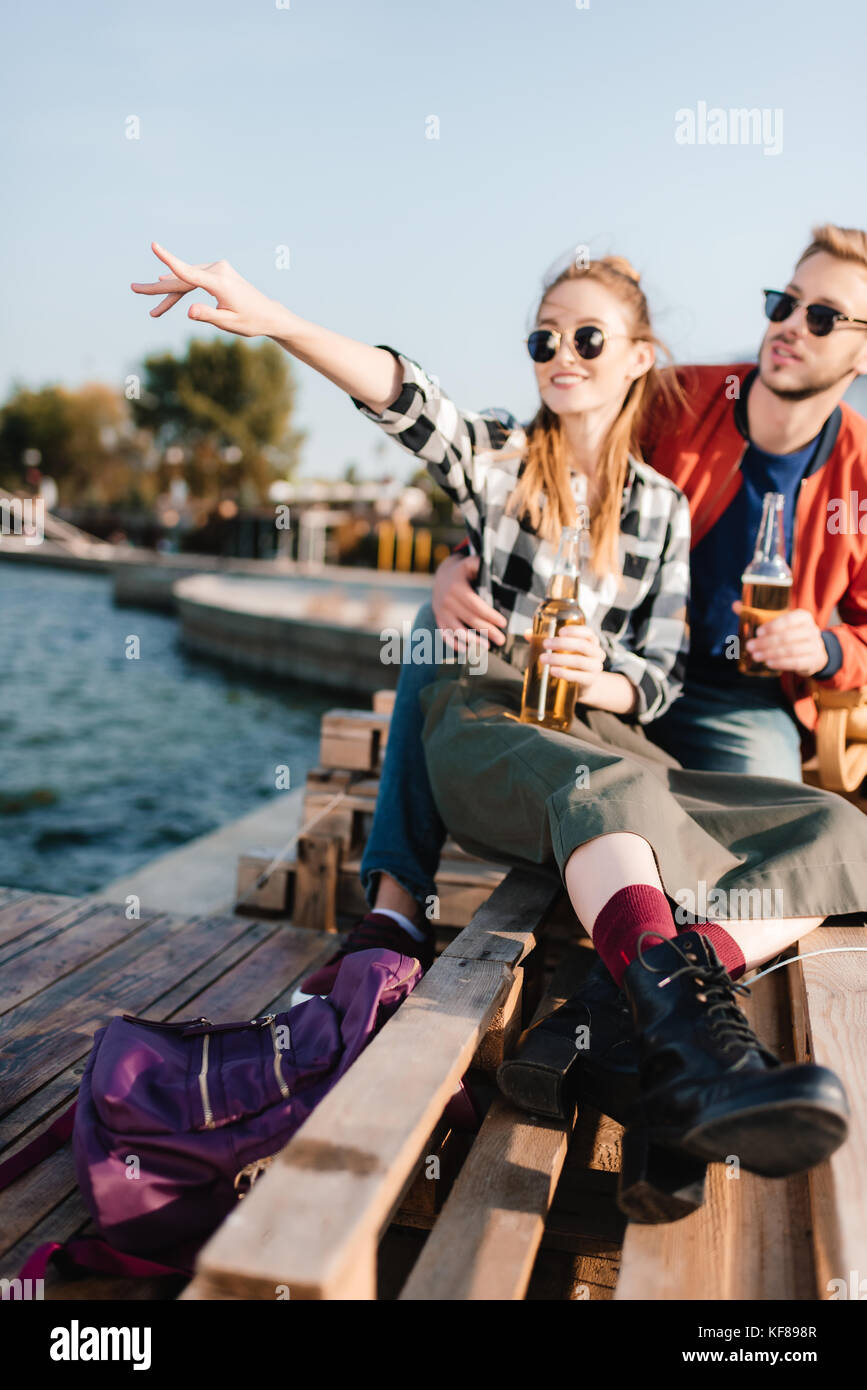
(796, 364)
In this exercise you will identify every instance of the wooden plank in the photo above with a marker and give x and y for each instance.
(313, 1221)
(23, 914)
(242, 989)
(587, 1273)
(53, 951)
(750, 1239)
(11, 895)
(504, 1029)
(488, 1234)
(437, 1167)
(270, 972)
(831, 1005)
(34, 1194)
(383, 701)
(61, 1223)
(237, 982)
(44, 1034)
(484, 1244)
(353, 739)
(274, 895)
(315, 896)
(232, 939)
(504, 927)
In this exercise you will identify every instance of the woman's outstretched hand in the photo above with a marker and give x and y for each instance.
(240, 307)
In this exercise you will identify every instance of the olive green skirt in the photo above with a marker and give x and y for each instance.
(727, 845)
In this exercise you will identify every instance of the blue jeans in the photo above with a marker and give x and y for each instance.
(716, 729)
(711, 729)
(408, 834)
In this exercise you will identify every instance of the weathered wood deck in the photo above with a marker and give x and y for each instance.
(66, 966)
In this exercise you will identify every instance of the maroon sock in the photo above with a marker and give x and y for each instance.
(624, 917)
(728, 950)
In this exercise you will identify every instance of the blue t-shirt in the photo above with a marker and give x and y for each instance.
(721, 556)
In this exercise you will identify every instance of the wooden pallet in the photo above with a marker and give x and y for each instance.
(523, 1185)
(359, 1174)
(318, 884)
(313, 1223)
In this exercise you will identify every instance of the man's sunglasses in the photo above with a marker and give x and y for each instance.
(820, 317)
(543, 343)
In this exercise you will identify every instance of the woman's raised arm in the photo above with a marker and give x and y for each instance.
(370, 374)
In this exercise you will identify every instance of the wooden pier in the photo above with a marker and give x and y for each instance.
(355, 1208)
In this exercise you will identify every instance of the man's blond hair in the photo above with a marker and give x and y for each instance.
(846, 243)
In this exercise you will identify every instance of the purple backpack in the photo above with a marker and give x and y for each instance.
(174, 1121)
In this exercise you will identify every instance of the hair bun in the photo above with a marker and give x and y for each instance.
(623, 267)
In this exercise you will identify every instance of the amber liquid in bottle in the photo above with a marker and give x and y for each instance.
(762, 601)
(550, 700)
(767, 584)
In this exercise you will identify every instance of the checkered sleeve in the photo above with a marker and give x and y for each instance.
(653, 656)
(428, 424)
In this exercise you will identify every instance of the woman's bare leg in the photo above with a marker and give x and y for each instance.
(597, 870)
(761, 941)
(600, 868)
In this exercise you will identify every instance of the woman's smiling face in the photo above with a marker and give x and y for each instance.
(571, 384)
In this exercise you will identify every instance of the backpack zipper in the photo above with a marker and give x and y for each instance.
(203, 1083)
(278, 1060)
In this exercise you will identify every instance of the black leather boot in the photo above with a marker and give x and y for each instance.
(585, 1050)
(708, 1085)
(557, 1067)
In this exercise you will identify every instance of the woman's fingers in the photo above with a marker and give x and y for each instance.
(165, 282)
(573, 661)
(582, 642)
(199, 275)
(472, 612)
(173, 287)
(220, 318)
(465, 598)
(568, 673)
(452, 622)
(165, 304)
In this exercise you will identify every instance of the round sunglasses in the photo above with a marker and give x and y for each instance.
(588, 341)
(821, 318)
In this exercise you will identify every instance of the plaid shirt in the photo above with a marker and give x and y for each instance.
(640, 619)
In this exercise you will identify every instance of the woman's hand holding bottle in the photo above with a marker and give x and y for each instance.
(575, 654)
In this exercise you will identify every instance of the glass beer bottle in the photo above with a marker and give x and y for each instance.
(767, 583)
(547, 699)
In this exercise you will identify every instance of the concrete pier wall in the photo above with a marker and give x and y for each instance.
(327, 635)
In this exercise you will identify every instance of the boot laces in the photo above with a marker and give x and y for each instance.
(726, 1021)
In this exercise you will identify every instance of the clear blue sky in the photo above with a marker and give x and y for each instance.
(305, 127)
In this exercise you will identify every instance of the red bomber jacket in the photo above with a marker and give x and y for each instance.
(701, 448)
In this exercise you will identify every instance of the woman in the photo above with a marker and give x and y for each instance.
(634, 826)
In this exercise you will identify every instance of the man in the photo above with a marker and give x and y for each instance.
(744, 430)
(778, 426)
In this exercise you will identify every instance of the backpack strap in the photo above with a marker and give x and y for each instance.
(89, 1253)
(45, 1144)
